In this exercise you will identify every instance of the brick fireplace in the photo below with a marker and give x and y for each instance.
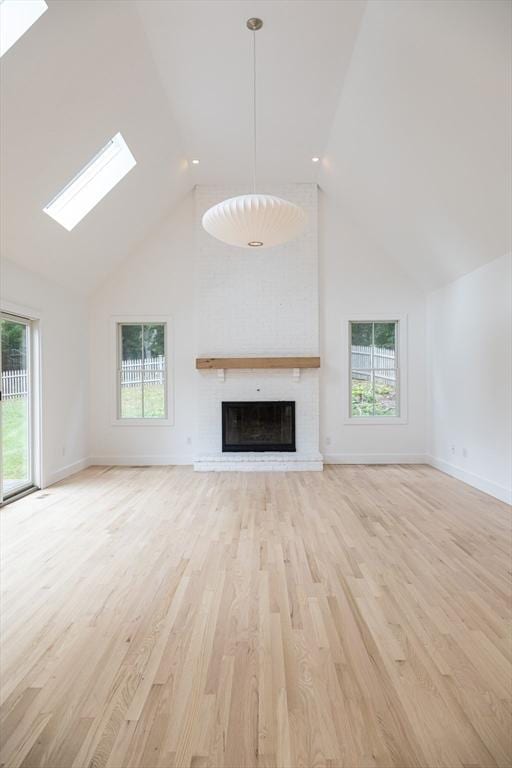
(252, 305)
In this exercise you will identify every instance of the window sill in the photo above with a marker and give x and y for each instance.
(142, 423)
(372, 421)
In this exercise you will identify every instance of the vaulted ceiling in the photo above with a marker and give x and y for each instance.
(407, 103)
(420, 148)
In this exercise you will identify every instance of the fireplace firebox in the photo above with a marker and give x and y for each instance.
(258, 426)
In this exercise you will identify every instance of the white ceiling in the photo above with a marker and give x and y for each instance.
(407, 102)
(203, 52)
(420, 145)
(174, 78)
(82, 73)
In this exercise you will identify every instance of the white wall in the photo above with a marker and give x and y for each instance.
(470, 362)
(158, 280)
(469, 365)
(355, 277)
(358, 278)
(64, 365)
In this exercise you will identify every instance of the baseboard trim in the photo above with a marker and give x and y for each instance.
(480, 483)
(161, 460)
(63, 472)
(375, 458)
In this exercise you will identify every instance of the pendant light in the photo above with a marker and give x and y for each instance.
(254, 220)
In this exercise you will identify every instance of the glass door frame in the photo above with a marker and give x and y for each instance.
(33, 407)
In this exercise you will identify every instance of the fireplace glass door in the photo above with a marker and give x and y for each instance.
(258, 426)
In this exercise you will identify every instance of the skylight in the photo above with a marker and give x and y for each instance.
(16, 16)
(92, 183)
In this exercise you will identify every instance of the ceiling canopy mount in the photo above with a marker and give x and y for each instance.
(254, 24)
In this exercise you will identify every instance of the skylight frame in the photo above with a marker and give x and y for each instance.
(92, 183)
(16, 18)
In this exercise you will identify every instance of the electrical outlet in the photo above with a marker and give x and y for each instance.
(327, 440)
(465, 452)
(452, 448)
(189, 440)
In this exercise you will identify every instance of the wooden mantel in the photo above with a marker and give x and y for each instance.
(225, 363)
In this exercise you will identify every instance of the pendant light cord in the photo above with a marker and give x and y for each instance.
(254, 110)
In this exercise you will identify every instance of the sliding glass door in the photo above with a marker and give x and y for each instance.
(16, 405)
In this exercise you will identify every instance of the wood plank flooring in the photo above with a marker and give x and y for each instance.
(155, 618)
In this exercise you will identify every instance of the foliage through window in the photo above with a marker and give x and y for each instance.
(142, 371)
(374, 369)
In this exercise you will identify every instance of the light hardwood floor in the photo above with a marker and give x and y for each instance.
(156, 617)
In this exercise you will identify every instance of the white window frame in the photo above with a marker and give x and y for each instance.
(116, 322)
(401, 351)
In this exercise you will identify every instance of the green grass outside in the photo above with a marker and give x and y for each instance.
(14, 439)
(14, 424)
(154, 402)
(367, 402)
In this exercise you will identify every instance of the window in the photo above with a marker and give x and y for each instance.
(142, 371)
(374, 370)
(16, 18)
(92, 183)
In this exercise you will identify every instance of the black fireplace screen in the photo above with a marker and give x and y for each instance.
(258, 426)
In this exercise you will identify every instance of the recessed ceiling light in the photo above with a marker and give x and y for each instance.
(315, 159)
(15, 18)
(195, 162)
(92, 183)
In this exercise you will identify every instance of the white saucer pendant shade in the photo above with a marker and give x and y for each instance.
(254, 221)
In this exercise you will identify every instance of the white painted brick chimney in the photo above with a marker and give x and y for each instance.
(260, 304)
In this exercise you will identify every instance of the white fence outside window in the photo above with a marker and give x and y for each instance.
(152, 370)
(383, 362)
(15, 383)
